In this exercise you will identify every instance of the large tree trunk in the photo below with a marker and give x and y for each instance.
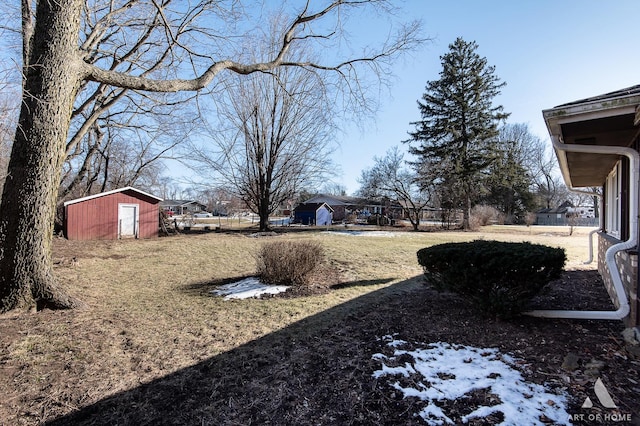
(416, 221)
(27, 210)
(466, 212)
(263, 214)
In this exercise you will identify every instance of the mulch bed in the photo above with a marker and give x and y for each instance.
(319, 370)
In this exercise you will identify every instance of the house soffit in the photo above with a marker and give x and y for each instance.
(598, 121)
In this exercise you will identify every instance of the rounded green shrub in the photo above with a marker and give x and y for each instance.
(499, 278)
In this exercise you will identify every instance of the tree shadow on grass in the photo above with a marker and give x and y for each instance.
(361, 283)
(205, 287)
(315, 371)
(319, 371)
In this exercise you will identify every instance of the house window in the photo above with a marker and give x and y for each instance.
(613, 201)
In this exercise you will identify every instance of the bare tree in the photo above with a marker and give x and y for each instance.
(549, 185)
(7, 128)
(278, 137)
(333, 188)
(56, 64)
(8, 109)
(121, 146)
(535, 155)
(509, 180)
(527, 147)
(391, 178)
(118, 136)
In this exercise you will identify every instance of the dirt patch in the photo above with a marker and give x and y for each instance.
(575, 290)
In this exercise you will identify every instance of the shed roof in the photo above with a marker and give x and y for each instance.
(103, 194)
(341, 200)
(311, 207)
(557, 210)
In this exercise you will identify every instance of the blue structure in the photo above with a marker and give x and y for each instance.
(313, 214)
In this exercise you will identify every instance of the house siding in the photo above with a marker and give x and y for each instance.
(97, 218)
(339, 213)
(627, 263)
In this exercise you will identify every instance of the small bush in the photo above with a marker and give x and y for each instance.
(530, 218)
(288, 262)
(378, 219)
(499, 278)
(482, 215)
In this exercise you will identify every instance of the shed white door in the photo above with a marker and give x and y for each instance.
(128, 220)
(323, 216)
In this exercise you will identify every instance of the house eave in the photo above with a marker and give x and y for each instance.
(606, 120)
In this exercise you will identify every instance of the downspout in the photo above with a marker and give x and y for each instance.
(590, 259)
(623, 309)
(591, 233)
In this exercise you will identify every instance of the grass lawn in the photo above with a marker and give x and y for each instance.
(152, 346)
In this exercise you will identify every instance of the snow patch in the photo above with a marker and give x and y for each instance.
(443, 371)
(247, 288)
(365, 233)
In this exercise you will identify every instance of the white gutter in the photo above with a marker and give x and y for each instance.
(634, 176)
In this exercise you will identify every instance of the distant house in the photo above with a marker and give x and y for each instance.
(344, 206)
(313, 214)
(400, 211)
(583, 212)
(566, 214)
(180, 207)
(121, 213)
(597, 143)
(553, 216)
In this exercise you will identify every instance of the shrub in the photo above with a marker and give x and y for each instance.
(499, 278)
(530, 218)
(482, 215)
(378, 219)
(288, 262)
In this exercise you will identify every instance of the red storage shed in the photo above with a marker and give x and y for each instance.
(121, 213)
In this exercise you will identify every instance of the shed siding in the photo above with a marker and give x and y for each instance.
(97, 218)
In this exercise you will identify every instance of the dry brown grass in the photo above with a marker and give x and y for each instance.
(149, 312)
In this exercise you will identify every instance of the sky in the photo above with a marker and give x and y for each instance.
(549, 52)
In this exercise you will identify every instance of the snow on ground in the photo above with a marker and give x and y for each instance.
(443, 371)
(365, 233)
(247, 288)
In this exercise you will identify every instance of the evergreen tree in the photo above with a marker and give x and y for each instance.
(459, 123)
(508, 186)
(510, 181)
